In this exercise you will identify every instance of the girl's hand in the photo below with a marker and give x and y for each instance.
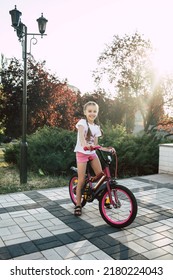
(91, 148)
(88, 148)
(112, 150)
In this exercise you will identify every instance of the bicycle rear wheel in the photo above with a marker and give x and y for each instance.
(122, 210)
(72, 190)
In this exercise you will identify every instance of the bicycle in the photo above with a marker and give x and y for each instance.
(117, 204)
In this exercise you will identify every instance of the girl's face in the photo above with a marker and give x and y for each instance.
(91, 113)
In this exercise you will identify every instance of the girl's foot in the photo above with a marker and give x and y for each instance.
(78, 210)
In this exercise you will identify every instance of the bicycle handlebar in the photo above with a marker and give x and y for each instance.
(92, 148)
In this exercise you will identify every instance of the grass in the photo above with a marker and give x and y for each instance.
(10, 179)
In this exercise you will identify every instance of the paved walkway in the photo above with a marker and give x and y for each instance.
(38, 225)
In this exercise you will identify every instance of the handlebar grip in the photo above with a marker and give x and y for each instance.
(92, 148)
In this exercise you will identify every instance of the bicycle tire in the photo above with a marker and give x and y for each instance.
(72, 187)
(123, 213)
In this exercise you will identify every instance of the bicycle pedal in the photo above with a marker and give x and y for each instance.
(108, 206)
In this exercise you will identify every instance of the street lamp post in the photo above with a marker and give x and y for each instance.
(22, 34)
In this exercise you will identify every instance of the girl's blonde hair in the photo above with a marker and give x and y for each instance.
(89, 134)
(90, 103)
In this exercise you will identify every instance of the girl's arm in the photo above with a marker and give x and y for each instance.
(106, 149)
(81, 136)
(95, 141)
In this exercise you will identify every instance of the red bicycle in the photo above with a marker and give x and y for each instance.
(117, 204)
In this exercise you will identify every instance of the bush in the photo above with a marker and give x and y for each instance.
(12, 153)
(137, 154)
(51, 151)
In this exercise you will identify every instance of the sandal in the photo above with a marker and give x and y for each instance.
(78, 210)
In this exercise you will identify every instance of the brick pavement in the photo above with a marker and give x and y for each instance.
(38, 225)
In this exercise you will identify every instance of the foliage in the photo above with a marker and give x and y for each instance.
(11, 96)
(126, 64)
(50, 102)
(12, 153)
(137, 154)
(51, 151)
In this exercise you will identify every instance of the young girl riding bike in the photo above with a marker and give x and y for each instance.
(87, 138)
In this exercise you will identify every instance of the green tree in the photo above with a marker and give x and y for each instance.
(49, 101)
(109, 109)
(126, 64)
(11, 96)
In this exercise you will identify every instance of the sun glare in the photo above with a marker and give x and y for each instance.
(163, 61)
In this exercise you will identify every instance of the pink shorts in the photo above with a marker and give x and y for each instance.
(80, 157)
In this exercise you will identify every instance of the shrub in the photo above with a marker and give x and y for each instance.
(51, 150)
(11, 153)
(137, 154)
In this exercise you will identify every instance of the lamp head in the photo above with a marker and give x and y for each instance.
(15, 17)
(42, 24)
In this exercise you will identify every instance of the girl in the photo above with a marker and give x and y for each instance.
(88, 133)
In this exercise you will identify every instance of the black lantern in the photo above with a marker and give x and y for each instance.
(20, 30)
(15, 17)
(42, 24)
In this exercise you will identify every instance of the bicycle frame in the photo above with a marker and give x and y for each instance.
(103, 182)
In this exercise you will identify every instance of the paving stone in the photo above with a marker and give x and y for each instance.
(144, 243)
(111, 251)
(136, 247)
(153, 237)
(162, 242)
(156, 253)
(16, 241)
(33, 256)
(40, 225)
(165, 257)
(138, 257)
(87, 257)
(29, 247)
(124, 255)
(100, 255)
(99, 243)
(49, 245)
(65, 252)
(51, 254)
(64, 238)
(16, 250)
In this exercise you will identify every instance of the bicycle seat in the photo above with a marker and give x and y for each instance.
(73, 168)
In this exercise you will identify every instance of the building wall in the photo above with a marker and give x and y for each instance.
(166, 158)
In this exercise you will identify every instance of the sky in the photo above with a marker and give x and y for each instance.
(79, 30)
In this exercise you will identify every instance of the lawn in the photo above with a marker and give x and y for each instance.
(10, 179)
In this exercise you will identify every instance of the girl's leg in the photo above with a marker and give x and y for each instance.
(81, 166)
(96, 166)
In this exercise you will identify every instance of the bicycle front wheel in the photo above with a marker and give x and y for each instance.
(122, 211)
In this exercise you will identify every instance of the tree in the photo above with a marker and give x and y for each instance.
(11, 96)
(50, 101)
(108, 109)
(126, 64)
